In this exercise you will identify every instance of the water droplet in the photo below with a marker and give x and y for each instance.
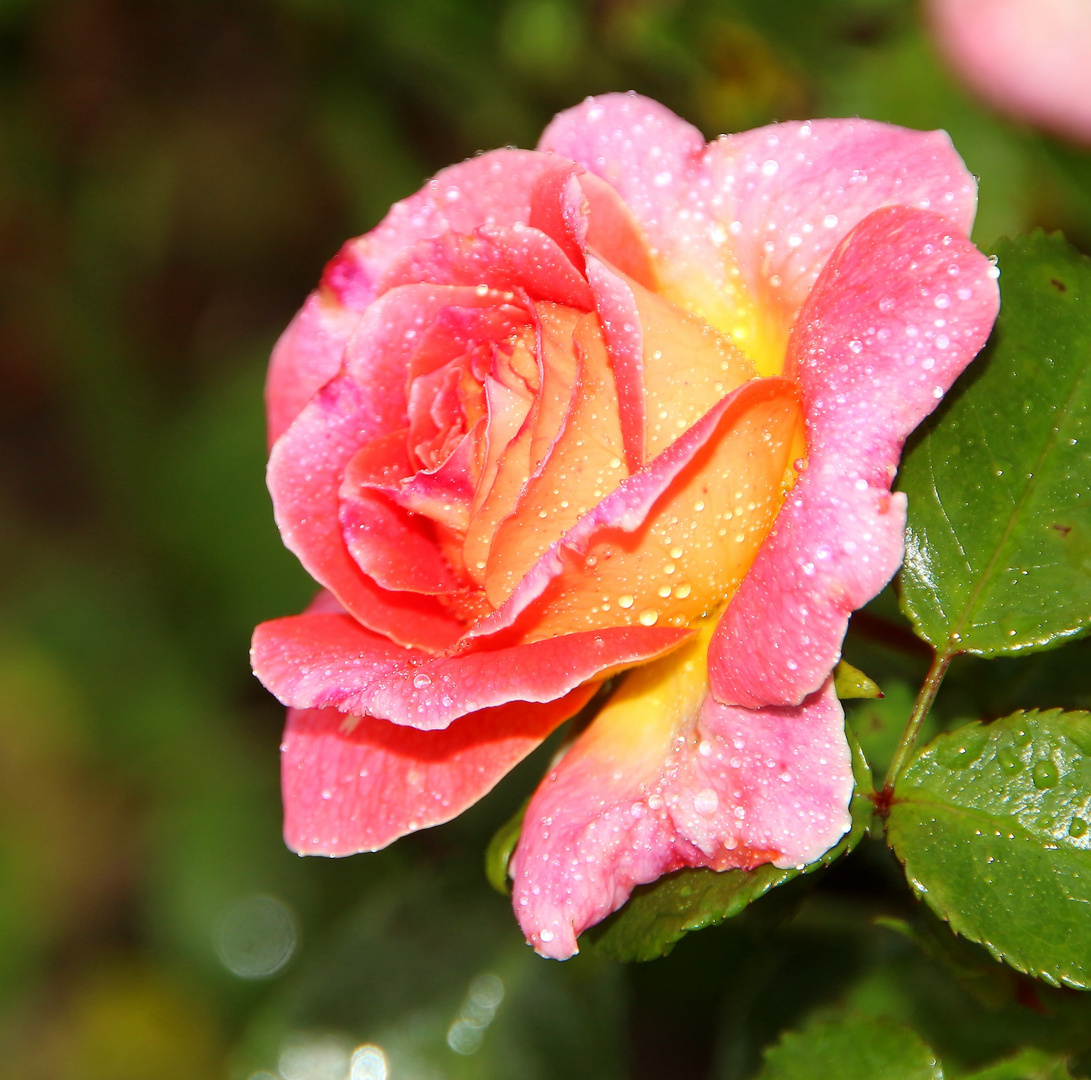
(682, 591)
(706, 801)
(1009, 760)
(1021, 737)
(421, 681)
(676, 552)
(546, 936)
(1045, 774)
(664, 591)
(1078, 827)
(649, 617)
(625, 601)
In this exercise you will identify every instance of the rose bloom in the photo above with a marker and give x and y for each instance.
(624, 402)
(1028, 58)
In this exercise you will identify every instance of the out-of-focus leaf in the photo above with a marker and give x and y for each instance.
(498, 853)
(854, 1048)
(998, 545)
(992, 825)
(1028, 1065)
(659, 914)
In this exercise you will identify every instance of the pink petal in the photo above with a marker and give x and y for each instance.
(305, 358)
(502, 258)
(639, 147)
(621, 331)
(306, 469)
(357, 784)
(1026, 57)
(490, 190)
(493, 190)
(665, 777)
(393, 547)
(896, 315)
(741, 229)
(815, 181)
(524, 455)
(315, 661)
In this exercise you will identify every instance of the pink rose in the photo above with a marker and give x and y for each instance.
(625, 400)
(1029, 58)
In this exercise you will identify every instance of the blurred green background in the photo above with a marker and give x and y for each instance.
(173, 175)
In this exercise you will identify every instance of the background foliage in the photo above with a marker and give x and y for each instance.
(173, 175)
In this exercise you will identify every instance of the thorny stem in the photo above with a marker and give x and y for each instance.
(921, 707)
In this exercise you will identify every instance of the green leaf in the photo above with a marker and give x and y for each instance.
(659, 915)
(850, 682)
(854, 1048)
(992, 825)
(498, 853)
(1027, 1065)
(998, 544)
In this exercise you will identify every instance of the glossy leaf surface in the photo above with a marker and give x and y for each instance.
(855, 1048)
(998, 544)
(992, 823)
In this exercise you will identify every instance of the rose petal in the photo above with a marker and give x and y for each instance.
(740, 231)
(673, 542)
(814, 182)
(490, 190)
(314, 661)
(640, 148)
(613, 232)
(305, 358)
(510, 258)
(673, 396)
(305, 473)
(669, 559)
(307, 464)
(393, 547)
(525, 453)
(355, 784)
(577, 473)
(665, 777)
(624, 340)
(902, 307)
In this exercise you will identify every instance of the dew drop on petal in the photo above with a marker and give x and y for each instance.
(706, 801)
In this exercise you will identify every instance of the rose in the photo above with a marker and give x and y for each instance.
(537, 428)
(1027, 58)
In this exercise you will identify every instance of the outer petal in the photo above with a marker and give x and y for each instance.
(741, 229)
(305, 472)
(512, 258)
(640, 148)
(898, 312)
(493, 189)
(316, 661)
(665, 777)
(798, 189)
(1027, 57)
(307, 355)
(356, 783)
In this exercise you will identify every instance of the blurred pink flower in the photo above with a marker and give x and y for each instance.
(1028, 58)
